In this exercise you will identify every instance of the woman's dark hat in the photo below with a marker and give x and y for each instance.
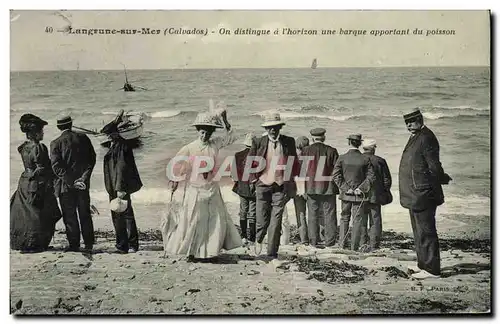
(32, 119)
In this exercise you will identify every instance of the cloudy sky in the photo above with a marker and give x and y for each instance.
(34, 49)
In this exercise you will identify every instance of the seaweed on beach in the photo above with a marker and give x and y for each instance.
(402, 241)
(330, 271)
(394, 272)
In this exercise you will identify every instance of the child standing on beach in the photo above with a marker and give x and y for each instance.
(246, 191)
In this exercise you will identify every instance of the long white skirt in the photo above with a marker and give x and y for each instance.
(202, 225)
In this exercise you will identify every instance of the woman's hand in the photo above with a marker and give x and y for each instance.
(121, 194)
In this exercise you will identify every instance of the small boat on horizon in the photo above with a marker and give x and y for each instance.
(314, 64)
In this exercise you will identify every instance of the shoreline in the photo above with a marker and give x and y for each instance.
(310, 281)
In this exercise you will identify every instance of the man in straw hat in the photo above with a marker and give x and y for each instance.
(274, 185)
(246, 193)
(353, 174)
(421, 177)
(379, 195)
(73, 159)
(321, 191)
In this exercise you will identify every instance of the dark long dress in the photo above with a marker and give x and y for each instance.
(34, 211)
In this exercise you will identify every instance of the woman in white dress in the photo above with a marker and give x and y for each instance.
(204, 226)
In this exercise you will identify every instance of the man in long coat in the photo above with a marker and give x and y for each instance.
(421, 177)
(121, 179)
(73, 159)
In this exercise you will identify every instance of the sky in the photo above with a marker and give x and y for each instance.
(32, 48)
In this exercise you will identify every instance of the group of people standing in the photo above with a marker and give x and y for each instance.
(201, 227)
(64, 175)
(361, 180)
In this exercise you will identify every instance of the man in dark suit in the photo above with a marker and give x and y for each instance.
(380, 194)
(73, 159)
(246, 193)
(421, 177)
(273, 187)
(321, 190)
(353, 174)
(121, 179)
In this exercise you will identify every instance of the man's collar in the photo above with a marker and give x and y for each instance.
(274, 140)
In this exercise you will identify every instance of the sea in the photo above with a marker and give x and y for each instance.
(455, 102)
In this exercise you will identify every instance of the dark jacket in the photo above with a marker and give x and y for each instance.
(242, 188)
(420, 172)
(380, 193)
(353, 170)
(120, 169)
(329, 156)
(72, 157)
(259, 148)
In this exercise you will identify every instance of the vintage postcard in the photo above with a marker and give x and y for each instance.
(250, 162)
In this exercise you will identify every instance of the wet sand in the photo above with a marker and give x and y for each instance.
(310, 281)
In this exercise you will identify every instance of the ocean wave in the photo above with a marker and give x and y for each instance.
(437, 79)
(434, 116)
(454, 204)
(165, 114)
(429, 115)
(462, 108)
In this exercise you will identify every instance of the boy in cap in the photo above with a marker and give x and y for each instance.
(379, 195)
(353, 174)
(321, 193)
(421, 177)
(246, 193)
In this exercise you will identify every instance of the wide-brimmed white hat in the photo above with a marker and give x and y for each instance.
(369, 143)
(208, 119)
(272, 119)
(118, 205)
(249, 139)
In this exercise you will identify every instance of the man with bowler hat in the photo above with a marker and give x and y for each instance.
(321, 190)
(274, 187)
(73, 159)
(421, 177)
(353, 174)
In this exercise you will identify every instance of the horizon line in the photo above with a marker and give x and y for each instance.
(260, 68)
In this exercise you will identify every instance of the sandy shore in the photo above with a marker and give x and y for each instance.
(311, 281)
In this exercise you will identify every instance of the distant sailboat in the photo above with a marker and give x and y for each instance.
(314, 64)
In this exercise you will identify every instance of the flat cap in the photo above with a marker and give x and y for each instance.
(413, 115)
(369, 143)
(318, 131)
(356, 137)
